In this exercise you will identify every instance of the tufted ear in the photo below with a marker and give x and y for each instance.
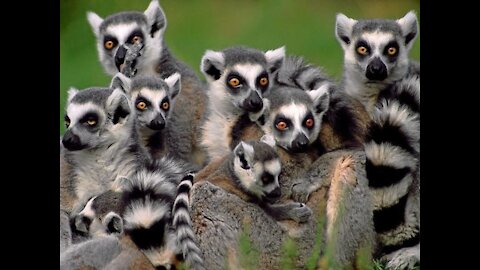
(174, 84)
(275, 59)
(244, 152)
(343, 29)
(95, 22)
(113, 223)
(268, 139)
(118, 106)
(71, 93)
(156, 18)
(409, 27)
(121, 82)
(320, 98)
(212, 65)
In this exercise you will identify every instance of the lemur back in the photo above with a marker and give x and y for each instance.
(117, 32)
(380, 75)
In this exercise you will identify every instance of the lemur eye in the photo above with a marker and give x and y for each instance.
(109, 45)
(362, 50)
(142, 105)
(234, 82)
(281, 125)
(309, 122)
(91, 122)
(136, 39)
(392, 51)
(165, 105)
(67, 123)
(264, 81)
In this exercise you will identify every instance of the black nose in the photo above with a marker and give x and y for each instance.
(376, 70)
(120, 56)
(253, 103)
(274, 195)
(300, 143)
(157, 123)
(72, 142)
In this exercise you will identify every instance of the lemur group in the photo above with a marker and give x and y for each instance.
(134, 151)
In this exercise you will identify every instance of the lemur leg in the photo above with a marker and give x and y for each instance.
(291, 210)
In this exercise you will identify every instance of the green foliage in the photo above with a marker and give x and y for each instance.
(305, 27)
(248, 253)
(289, 254)
(317, 249)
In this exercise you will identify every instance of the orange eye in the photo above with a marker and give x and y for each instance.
(263, 81)
(91, 122)
(136, 39)
(234, 82)
(392, 51)
(165, 105)
(141, 105)
(309, 122)
(281, 125)
(108, 45)
(362, 50)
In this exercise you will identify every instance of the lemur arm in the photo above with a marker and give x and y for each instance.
(291, 210)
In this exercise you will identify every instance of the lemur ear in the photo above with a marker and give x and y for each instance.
(245, 153)
(71, 93)
(156, 18)
(212, 64)
(174, 84)
(409, 27)
(343, 29)
(275, 59)
(113, 223)
(95, 22)
(320, 98)
(118, 106)
(122, 82)
(268, 139)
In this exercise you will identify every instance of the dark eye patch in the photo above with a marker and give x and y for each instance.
(143, 99)
(309, 116)
(267, 178)
(136, 32)
(391, 44)
(165, 99)
(110, 38)
(233, 75)
(89, 116)
(362, 43)
(244, 162)
(282, 118)
(67, 119)
(264, 74)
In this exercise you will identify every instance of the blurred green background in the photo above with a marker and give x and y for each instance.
(305, 27)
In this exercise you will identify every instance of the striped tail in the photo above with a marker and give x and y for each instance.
(295, 72)
(182, 224)
(393, 151)
(148, 199)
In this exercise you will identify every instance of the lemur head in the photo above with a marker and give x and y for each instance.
(100, 216)
(122, 28)
(376, 51)
(95, 118)
(257, 166)
(152, 98)
(240, 76)
(294, 117)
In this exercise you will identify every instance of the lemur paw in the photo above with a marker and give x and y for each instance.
(299, 212)
(300, 191)
(405, 258)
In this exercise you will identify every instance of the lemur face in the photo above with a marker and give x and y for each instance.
(257, 166)
(124, 28)
(376, 50)
(93, 117)
(241, 76)
(295, 116)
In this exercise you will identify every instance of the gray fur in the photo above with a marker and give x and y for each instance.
(95, 95)
(219, 218)
(376, 25)
(65, 231)
(235, 55)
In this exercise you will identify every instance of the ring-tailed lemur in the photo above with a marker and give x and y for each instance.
(153, 100)
(251, 172)
(120, 30)
(151, 213)
(103, 149)
(237, 77)
(379, 73)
